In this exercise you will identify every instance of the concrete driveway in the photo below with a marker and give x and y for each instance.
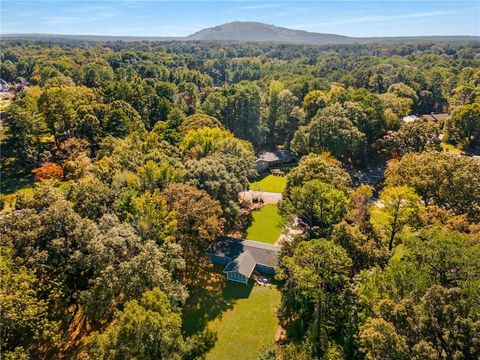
(267, 197)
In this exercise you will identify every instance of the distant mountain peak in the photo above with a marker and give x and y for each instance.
(256, 31)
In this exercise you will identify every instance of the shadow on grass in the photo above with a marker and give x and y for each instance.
(210, 296)
(246, 223)
(264, 174)
(13, 178)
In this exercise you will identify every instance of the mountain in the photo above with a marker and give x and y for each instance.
(253, 31)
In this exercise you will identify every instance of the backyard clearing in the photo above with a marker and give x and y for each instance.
(266, 225)
(250, 325)
(243, 317)
(270, 183)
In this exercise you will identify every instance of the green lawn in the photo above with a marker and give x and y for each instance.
(270, 183)
(242, 317)
(266, 225)
(247, 328)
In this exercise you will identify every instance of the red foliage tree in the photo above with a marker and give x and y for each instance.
(48, 171)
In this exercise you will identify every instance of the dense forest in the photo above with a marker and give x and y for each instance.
(122, 163)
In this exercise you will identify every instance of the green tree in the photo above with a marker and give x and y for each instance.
(440, 178)
(463, 126)
(215, 104)
(59, 106)
(188, 97)
(25, 318)
(322, 167)
(317, 205)
(464, 95)
(242, 115)
(199, 222)
(151, 218)
(273, 103)
(397, 207)
(92, 197)
(145, 329)
(314, 101)
(26, 128)
(403, 91)
(157, 176)
(198, 121)
(440, 326)
(319, 269)
(423, 305)
(212, 175)
(330, 130)
(203, 141)
(126, 267)
(417, 136)
(122, 119)
(8, 71)
(289, 117)
(400, 106)
(95, 75)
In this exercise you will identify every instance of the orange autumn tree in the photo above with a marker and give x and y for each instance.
(48, 171)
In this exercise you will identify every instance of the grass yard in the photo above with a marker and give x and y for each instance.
(243, 317)
(270, 183)
(266, 225)
(247, 328)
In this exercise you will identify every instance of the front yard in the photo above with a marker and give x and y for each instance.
(266, 224)
(243, 317)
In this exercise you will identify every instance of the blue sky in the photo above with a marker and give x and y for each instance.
(180, 18)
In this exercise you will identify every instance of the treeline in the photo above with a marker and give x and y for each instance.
(108, 246)
(390, 278)
(91, 91)
(139, 151)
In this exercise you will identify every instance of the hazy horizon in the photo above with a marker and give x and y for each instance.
(172, 19)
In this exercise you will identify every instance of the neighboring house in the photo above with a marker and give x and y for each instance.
(269, 159)
(410, 118)
(242, 257)
(4, 86)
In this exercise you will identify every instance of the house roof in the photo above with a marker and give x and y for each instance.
(409, 118)
(269, 156)
(244, 264)
(261, 253)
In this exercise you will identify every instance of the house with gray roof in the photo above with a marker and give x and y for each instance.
(242, 257)
(269, 159)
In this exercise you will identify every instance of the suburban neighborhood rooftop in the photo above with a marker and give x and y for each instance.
(273, 156)
(245, 254)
